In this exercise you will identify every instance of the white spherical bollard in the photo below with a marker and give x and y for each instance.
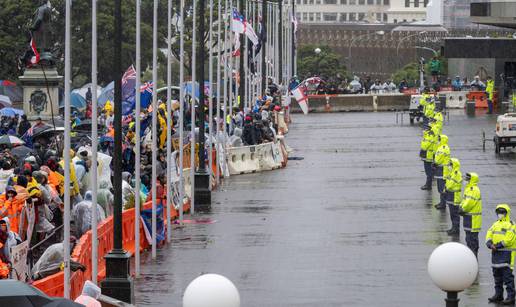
(211, 290)
(317, 50)
(453, 267)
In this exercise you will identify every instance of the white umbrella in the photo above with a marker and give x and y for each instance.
(5, 101)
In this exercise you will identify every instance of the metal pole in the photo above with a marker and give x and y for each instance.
(243, 43)
(169, 121)
(118, 282)
(66, 245)
(452, 299)
(192, 115)
(94, 141)
(210, 98)
(280, 40)
(264, 47)
(137, 170)
(154, 123)
(293, 38)
(219, 81)
(181, 109)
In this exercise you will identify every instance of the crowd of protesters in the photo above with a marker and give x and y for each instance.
(32, 183)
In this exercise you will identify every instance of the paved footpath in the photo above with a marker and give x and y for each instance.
(346, 226)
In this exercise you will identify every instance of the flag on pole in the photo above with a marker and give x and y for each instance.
(236, 47)
(301, 98)
(129, 104)
(35, 59)
(251, 35)
(129, 83)
(238, 22)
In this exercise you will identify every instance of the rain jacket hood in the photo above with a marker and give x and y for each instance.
(474, 179)
(455, 164)
(507, 217)
(443, 140)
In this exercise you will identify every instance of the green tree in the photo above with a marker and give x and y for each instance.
(409, 72)
(326, 64)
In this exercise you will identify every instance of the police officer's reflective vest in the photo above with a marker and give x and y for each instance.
(454, 181)
(472, 205)
(490, 89)
(502, 235)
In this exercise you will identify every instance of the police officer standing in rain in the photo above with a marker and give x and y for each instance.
(471, 210)
(501, 240)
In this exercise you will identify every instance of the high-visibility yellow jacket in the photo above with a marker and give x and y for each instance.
(502, 235)
(471, 205)
(454, 181)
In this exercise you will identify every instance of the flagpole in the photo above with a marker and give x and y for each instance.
(137, 146)
(210, 98)
(66, 245)
(294, 17)
(192, 113)
(154, 123)
(181, 109)
(219, 41)
(245, 78)
(169, 121)
(264, 47)
(94, 140)
(227, 81)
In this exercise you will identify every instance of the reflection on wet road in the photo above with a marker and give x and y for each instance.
(346, 226)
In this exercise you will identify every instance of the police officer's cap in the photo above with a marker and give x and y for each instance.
(468, 176)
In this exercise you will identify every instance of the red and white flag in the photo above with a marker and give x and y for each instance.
(301, 98)
(236, 47)
(251, 35)
(35, 59)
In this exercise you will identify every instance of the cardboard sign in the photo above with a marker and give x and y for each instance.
(20, 268)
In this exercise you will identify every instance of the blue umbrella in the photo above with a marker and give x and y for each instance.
(76, 101)
(107, 94)
(10, 112)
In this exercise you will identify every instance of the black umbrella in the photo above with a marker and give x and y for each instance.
(21, 151)
(85, 125)
(17, 293)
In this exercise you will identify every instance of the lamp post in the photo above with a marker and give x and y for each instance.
(453, 268)
(202, 178)
(211, 290)
(404, 39)
(118, 283)
(317, 53)
(356, 38)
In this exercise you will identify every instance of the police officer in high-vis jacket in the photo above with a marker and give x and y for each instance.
(471, 210)
(428, 145)
(454, 195)
(501, 239)
(441, 163)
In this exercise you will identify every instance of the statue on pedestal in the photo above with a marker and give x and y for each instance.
(39, 50)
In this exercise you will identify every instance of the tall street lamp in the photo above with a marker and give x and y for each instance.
(404, 39)
(318, 53)
(453, 268)
(356, 38)
(202, 191)
(118, 283)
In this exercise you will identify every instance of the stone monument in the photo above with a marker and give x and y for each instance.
(40, 80)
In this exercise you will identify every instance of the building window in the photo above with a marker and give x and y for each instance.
(385, 17)
(330, 1)
(416, 3)
(343, 17)
(407, 3)
(386, 2)
(298, 16)
(344, 2)
(379, 16)
(352, 2)
(311, 2)
(361, 2)
(352, 16)
(305, 16)
(317, 1)
(330, 16)
(310, 16)
(298, 1)
(361, 16)
(317, 16)
(370, 2)
(425, 2)
(395, 21)
(305, 1)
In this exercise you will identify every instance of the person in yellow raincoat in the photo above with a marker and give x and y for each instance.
(75, 190)
(162, 125)
(108, 108)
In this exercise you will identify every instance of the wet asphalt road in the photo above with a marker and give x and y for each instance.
(346, 226)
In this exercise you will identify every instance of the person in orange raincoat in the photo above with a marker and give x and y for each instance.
(10, 207)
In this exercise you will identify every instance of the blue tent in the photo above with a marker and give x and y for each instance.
(207, 87)
(76, 101)
(107, 94)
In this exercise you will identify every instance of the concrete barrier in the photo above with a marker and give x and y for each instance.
(355, 103)
(251, 159)
(455, 100)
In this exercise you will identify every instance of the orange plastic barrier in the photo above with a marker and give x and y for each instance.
(479, 97)
(53, 285)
